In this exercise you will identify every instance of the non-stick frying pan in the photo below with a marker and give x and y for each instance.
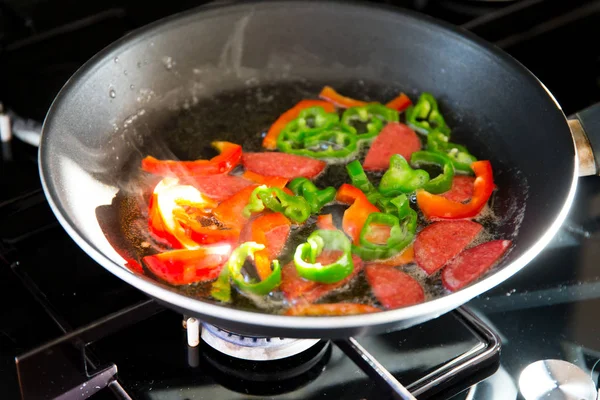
(240, 65)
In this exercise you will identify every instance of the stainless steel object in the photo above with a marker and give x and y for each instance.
(253, 348)
(556, 380)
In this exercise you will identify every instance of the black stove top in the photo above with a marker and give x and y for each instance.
(75, 328)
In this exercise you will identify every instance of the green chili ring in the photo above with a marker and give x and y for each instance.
(306, 254)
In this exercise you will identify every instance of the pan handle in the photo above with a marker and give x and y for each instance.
(585, 128)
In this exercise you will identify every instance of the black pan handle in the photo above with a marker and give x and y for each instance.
(585, 128)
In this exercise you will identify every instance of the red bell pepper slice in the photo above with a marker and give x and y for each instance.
(270, 140)
(230, 211)
(403, 258)
(331, 309)
(181, 267)
(272, 230)
(229, 157)
(328, 93)
(205, 234)
(157, 226)
(167, 199)
(438, 207)
(325, 221)
(358, 212)
(400, 103)
(270, 181)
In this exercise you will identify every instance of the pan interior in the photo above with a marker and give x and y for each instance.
(171, 88)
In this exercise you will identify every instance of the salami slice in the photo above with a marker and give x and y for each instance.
(219, 187)
(297, 289)
(394, 138)
(284, 165)
(392, 287)
(472, 263)
(461, 190)
(441, 241)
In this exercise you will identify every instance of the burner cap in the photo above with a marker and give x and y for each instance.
(253, 348)
(556, 380)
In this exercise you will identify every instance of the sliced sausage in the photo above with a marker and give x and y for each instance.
(283, 165)
(298, 289)
(392, 287)
(219, 187)
(394, 138)
(441, 241)
(472, 263)
(461, 190)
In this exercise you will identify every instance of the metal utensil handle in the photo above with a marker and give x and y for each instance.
(370, 365)
(585, 128)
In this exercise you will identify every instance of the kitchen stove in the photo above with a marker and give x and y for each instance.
(70, 329)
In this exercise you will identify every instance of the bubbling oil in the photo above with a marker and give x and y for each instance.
(243, 117)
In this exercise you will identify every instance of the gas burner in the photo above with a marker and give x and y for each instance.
(268, 378)
(251, 347)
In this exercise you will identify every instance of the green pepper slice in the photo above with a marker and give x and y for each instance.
(402, 231)
(236, 262)
(441, 183)
(460, 156)
(315, 197)
(221, 288)
(331, 143)
(401, 178)
(309, 121)
(255, 204)
(367, 121)
(306, 255)
(425, 116)
(359, 178)
(295, 208)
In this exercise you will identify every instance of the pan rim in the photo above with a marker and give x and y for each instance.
(273, 322)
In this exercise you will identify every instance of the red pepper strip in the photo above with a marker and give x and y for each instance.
(355, 215)
(204, 234)
(181, 267)
(438, 207)
(230, 211)
(315, 310)
(270, 140)
(157, 226)
(261, 229)
(406, 257)
(270, 181)
(400, 103)
(325, 221)
(329, 94)
(134, 266)
(229, 157)
(169, 197)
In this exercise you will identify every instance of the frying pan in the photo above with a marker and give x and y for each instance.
(240, 65)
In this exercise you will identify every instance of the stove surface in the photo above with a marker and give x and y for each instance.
(50, 288)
